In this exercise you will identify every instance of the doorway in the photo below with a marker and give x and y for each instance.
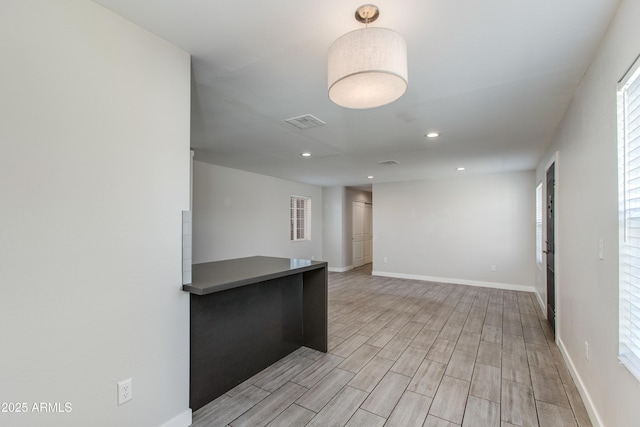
(362, 236)
(550, 251)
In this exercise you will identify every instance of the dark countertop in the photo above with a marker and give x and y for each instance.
(210, 277)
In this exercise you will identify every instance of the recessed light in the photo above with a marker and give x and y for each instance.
(370, 177)
(306, 154)
(460, 169)
(432, 135)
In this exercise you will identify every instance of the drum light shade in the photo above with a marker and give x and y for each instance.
(367, 68)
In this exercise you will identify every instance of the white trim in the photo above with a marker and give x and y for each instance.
(543, 306)
(586, 397)
(628, 286)
(191, 180)
(540, 215)
(181, 420)
(340, 269)
(505, 286)
(629, 74)
(551, 161)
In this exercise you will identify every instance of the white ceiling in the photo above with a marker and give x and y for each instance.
(493, 77)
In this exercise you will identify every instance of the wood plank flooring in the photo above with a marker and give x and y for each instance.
(412, 353)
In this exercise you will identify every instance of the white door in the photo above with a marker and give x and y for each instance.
(367, 235)
(362, 234)
(358, 234)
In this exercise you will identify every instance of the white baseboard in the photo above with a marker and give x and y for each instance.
(181, 420)
(543, 305)
(340, 269)
(586, 398)
(506, 286)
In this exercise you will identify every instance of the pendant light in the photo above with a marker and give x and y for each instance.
(367, 68)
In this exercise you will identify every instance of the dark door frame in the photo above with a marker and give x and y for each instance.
(550, 208)
(553, 322)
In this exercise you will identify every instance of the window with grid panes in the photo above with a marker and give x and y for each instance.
(629, 215)
(300, 218)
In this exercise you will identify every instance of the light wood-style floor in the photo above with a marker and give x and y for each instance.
(411, 353)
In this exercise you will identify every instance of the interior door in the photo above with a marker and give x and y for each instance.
(551, 278)
(358, 234)
(367, 233)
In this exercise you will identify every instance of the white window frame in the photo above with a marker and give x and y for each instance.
(629, 219)
(539, 210)
(300, 212)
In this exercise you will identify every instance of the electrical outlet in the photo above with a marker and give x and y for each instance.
(384, 260)
(586, 350)
(125, 391)
(493, 268)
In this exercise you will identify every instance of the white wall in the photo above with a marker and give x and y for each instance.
(94, 173)
(333, 249)
(454, 230)
(586, 211)
(239, 214)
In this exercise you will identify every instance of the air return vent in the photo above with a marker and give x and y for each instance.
(389, 162)
(305, 122)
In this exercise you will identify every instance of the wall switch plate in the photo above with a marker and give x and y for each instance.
(125, 391)
(586, 350)
(601, 249)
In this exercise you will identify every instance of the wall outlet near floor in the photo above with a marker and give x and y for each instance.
(493, 268)
(125, 390)
(384, 260)
(586, 350)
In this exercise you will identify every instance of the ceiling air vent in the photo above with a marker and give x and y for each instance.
(305, 122)
(389, 162)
